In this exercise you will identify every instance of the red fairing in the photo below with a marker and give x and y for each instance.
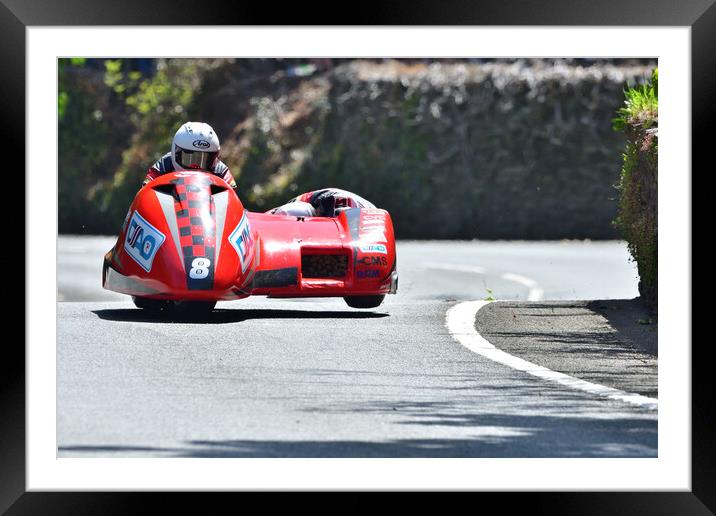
(187, 237)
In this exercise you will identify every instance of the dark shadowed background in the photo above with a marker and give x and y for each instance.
(453, 148)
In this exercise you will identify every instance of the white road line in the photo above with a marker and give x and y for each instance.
(455, 267)
(460, 322)
(535, 292)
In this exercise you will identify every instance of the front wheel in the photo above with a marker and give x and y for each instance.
(364, 301)
(191, 308)
(181, 308)
(150, 305)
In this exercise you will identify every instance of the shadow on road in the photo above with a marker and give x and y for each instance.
(633, 320)
(223, 316)
(496, 435)
(608, 342)
(526, 418)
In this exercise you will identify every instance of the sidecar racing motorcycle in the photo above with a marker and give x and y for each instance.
(187, 242)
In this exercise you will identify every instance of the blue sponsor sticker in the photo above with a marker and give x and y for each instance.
(242, 241)
(142, 241)
(374, 248)
(370, 273)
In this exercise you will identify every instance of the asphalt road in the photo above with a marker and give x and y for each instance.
(306, 378)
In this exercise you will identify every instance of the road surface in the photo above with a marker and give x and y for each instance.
(314, 378)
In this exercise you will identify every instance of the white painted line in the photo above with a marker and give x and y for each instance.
(460, 322)
(535, 292)
(455, 267)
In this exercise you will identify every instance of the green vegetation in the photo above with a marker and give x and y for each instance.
(155, 108)
(83, 144)
(490, 296)
(114, 122)
(641, 105)
(637, 213)
(451, 150)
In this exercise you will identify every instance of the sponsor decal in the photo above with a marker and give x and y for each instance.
(142, 241)
(370, 273)
(188, 173)
(243, 242)
(199, 268)
(373, 260)
(373, 212)
(372, 218)
(372, 222)
(374, 248)
(372, 230)
(126, 220)
(201, 144)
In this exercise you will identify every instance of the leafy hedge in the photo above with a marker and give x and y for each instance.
(492, 151)
(114, 122)
(155, 107)
(83, 142)
(637, 215)
(460, 149)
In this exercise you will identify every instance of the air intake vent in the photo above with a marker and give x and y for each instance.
(165, 188)
(215, 189)
(324, 265)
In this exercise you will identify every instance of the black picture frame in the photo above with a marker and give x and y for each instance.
(699, 15)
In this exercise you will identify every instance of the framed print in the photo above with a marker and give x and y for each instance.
(433, 126)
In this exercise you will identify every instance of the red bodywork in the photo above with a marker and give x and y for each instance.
(188, 237)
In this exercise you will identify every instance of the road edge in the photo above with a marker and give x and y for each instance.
(460, 323)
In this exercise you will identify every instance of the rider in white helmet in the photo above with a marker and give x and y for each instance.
(195, 147)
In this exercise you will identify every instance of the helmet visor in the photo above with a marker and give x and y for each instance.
(192, 159)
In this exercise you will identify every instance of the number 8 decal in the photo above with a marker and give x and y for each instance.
(199, 268)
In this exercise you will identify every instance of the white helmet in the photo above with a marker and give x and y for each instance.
(195, 146)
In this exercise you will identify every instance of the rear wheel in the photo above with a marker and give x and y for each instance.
(364, 301)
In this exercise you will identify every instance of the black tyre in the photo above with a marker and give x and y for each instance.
(180, 308)
(364, 301)
(191, 308)
(151, 305)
